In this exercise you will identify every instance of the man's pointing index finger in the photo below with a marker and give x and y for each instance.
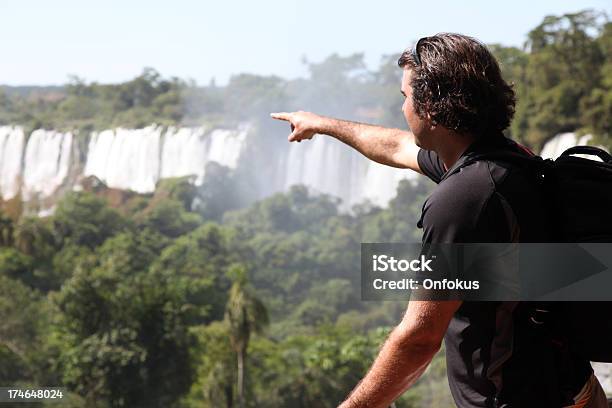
(281, 116)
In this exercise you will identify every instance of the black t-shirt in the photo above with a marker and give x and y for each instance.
(493, 355)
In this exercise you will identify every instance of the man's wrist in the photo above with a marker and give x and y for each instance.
(326, 125)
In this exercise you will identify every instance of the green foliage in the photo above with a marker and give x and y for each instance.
(290, 212)
(16, 265)
(219, 192)
(250, 96)
(215, 382)
(22, 315)
(156, 310)
(169, 217)
(86, 220)
(34, 236)
(123, 328)
(244, 313)
(198, 261)
(397, 223)
(146, 99)
(177, 188)
(6, 229)
(387, 81)
(597, 107)
(564, 82)
(67, 260)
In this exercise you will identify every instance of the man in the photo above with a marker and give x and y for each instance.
(456, 103)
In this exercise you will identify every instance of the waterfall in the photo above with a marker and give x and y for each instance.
(11, 149)
(46, 162)
(225, 146)
(380, 184)
(329, 166)
(125, 158)
(558, 144)
(136, 159)
(183, 152)
(323, 164)
(186, 151)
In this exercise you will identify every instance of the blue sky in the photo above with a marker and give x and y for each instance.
(111, 41)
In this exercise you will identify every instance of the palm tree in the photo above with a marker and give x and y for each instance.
(245, 315)
(218, 387)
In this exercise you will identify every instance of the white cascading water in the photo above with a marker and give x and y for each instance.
(125, 158)
(381, 182)
(225, 146)
(12, 140)
(322, 164)
(183, 152)
(558, 144)
(186, 151)
(136, 159)
(46, 162)
(329, 166)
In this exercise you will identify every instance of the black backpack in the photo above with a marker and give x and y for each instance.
(580, 192)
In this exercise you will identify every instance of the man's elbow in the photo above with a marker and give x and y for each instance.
(406, 154)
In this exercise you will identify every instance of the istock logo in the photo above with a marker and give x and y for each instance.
(383, 263)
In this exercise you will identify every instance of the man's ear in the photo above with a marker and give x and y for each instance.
(431, 122)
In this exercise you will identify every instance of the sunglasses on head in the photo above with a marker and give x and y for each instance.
(415, 51)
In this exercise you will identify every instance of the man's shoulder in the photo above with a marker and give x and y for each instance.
(453, 211)
(471, 185)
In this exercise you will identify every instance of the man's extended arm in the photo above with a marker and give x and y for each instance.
(405, 355)
(392, 147)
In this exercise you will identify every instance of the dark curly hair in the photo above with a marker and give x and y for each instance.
(459, 84)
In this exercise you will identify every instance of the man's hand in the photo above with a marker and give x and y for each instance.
(304, 125)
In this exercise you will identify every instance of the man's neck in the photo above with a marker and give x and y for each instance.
(451, 146)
